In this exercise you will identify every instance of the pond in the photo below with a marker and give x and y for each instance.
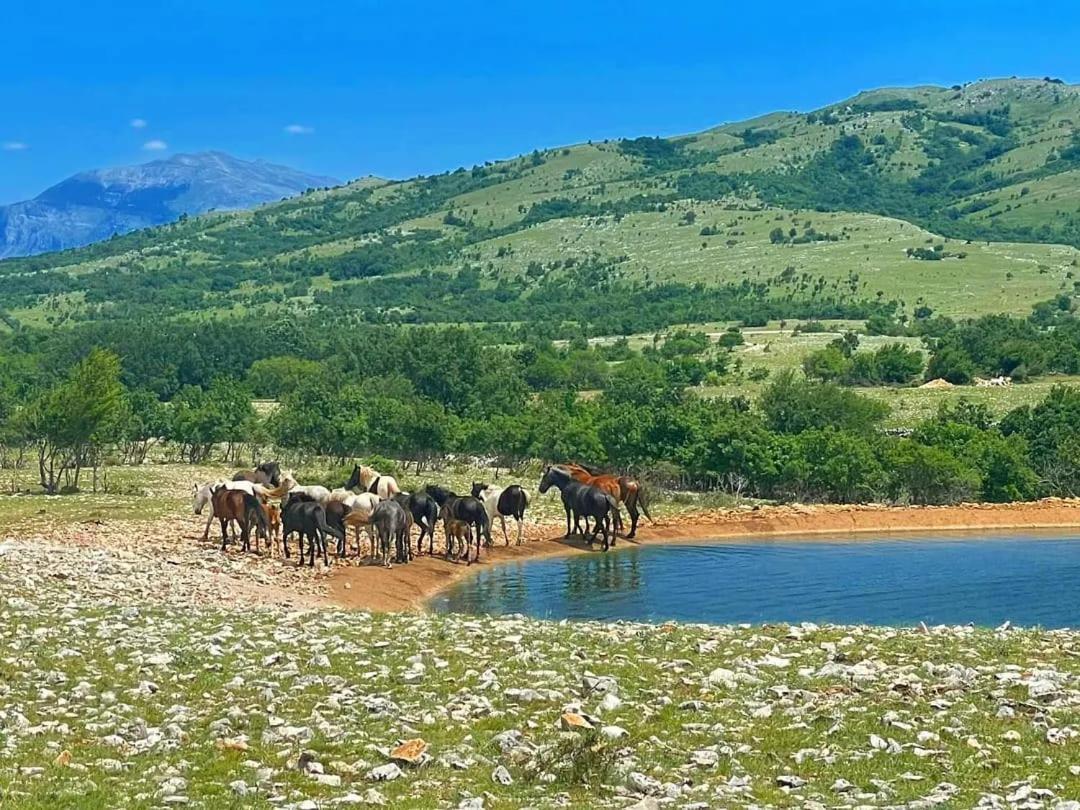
(1031, 579)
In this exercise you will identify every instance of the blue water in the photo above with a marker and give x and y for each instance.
(1028, 580)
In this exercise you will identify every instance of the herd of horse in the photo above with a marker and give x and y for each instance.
(271, 505)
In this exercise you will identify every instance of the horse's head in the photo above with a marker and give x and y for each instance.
(197, 502)
(354, 479)
(439, 494)
(547, 480)
(478, 489)
(272, 470)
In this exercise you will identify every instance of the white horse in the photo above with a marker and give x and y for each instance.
(360, 508)
(201, 495)
(371, 480)
(317, 493)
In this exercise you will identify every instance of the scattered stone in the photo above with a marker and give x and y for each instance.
(385, 773)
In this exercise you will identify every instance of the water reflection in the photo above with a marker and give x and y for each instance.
(986, 580)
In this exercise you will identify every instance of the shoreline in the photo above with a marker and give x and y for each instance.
(409, 588)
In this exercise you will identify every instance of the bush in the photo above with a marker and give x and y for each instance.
(792, 405)
(929, 475)
(952, 364)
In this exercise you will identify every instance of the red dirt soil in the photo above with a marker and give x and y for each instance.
(409, 587)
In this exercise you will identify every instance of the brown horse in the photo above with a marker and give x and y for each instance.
(621, 487)
(245, 509)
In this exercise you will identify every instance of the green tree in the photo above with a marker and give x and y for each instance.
(828, 364)
(76, 420)
(792, 405)
(929, 475)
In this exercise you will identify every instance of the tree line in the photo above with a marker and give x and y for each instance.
(802, 441)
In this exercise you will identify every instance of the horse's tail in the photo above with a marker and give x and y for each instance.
(633, 492)
(326, 528)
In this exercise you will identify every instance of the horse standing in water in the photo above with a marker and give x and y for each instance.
(621, 487)
(371, 480)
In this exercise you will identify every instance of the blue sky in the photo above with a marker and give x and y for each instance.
(401, 88)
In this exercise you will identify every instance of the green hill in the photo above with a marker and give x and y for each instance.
(960, 198)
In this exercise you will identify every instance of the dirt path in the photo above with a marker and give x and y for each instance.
(409, 587)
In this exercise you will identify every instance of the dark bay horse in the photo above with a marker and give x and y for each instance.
(584, 501)
(246, 510)
(268, 474)
(621, 487)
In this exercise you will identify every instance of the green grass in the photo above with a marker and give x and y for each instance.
(810, 717)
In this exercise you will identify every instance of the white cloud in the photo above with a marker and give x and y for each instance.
(138, 123)
(299, 129)
(155, 146)
(14, 146)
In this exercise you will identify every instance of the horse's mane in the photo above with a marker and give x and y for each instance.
(589, 470)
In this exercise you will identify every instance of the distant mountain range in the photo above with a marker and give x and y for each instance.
(94, 205)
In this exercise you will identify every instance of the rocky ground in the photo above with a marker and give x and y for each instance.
(127, 682)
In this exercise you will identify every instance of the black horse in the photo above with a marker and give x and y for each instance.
(424, 511)
(584, 501)
(440, 493)
(471, 512)
(308, 519)
(268, 474)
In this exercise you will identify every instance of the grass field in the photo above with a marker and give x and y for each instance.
(111, 701)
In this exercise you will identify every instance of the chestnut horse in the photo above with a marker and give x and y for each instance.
(621, 487)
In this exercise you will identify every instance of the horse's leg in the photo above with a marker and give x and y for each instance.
(567, 535)
(206, 531)
(506, 537)
(632, 508)
(224, 534)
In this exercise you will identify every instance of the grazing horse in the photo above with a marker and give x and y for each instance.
(584, 501)
(470, 511)
(501, 503)
(424, 511)
(268, 474)
(622, 488)
(308, 519)
(370, 480)
(245, 509)
(390, 521)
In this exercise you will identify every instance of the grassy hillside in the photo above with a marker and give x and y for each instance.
(823, 204)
